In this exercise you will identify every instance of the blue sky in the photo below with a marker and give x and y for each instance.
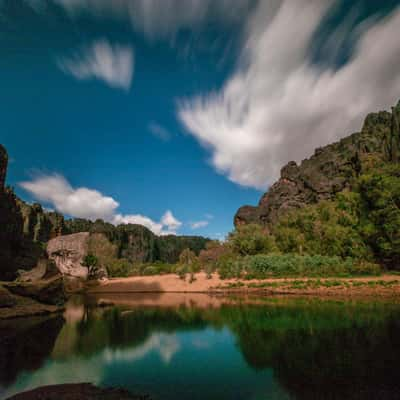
(126, 110)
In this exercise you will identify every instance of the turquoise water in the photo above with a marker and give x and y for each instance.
(269, 349)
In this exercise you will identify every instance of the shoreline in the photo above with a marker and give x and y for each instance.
(387, 285)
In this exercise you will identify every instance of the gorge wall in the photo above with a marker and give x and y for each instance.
(330, 170)
(137, 243)
(25, 228)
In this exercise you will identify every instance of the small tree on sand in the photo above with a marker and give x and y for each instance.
(188, 263)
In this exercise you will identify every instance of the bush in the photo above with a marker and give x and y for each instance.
(119, 268)
(230, 266)
(150, 270)
(263, 266)
(330, 228)
(208, 258)
(251, 239)
(188, 263)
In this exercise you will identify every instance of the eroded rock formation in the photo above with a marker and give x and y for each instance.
(24, 228)
(331, 169)
(68, 253)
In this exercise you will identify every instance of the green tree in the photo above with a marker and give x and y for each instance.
(251, 239)
(90, 261)
(380, 195)
(188, 263)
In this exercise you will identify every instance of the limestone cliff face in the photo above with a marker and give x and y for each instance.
(10, 222)
(39, 225)
(138, 244)
(23, 228)
(330, 170)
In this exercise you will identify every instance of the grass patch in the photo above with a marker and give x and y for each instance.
(263, 266)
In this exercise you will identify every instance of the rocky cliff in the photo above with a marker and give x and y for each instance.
(328, 171)
(23, 228)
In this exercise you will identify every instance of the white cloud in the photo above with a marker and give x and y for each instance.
(279, 106)
(155, 227)
(159, 132)
(160, 18)
(102, 60)
(170, 221)
(81, 202)
(199, 224)
(91, 204)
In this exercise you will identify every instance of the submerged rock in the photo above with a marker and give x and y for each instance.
(78, 391)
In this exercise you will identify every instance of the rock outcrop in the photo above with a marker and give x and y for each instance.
(38, 225)
(68, 253)
(49, 291)
(24, 228)
(330, 170)
(16, 306)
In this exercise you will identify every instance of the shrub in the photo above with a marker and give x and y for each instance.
(262, 266)
(230, 266)
(150, 270)
(208, 258)
(251, 239)
(119, 268)
(188, 263)
(330, 228)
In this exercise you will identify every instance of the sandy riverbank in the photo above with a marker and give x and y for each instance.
(385, 285)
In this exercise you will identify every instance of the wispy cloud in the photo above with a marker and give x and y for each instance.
(159, 132)
(199, 224)
(91, 204)
(111, 63)
(160, 18)
(278, 105)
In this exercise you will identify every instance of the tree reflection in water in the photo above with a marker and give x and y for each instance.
(315, 349)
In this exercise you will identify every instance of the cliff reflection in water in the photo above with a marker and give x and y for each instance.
(277, 348)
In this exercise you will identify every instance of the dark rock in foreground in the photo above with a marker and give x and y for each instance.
(79, 391)
(49, 291)
(14, 306)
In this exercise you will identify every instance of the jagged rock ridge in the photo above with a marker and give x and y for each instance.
(330, 170)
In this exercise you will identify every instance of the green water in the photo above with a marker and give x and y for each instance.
(275, 349)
